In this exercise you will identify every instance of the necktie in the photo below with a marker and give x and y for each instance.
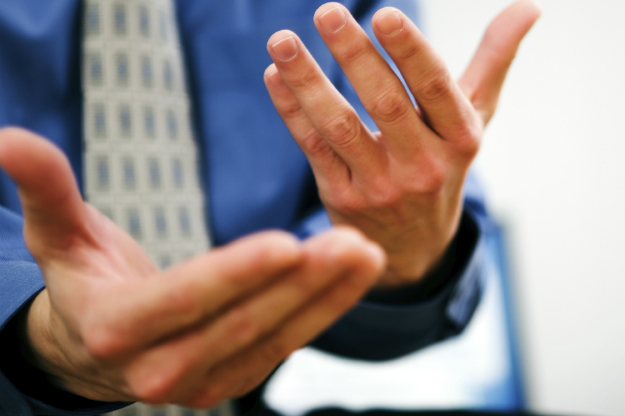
(140, 156)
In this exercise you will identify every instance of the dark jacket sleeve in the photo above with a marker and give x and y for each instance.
(23, 389)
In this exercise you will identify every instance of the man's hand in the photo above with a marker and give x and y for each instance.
(110, 326)
(402, 186)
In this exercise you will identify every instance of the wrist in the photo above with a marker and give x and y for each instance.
(56, 372)
(447, 270)
(411, 268)
(37, 345)
(31, 380)
(419, 252)
(414, 262)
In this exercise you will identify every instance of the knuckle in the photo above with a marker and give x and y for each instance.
(270, 241)
(242, 327)
(384, 197)
(102, 343)
(380, 193)
(183, 299)
(468, 140)
(353, 52)
(346, 206)
(314, 144)
(290, 109)
(278, 248)
(408, 51)
(344, 130)
(435, 181)
(264, 253)
(390, 106)
(432, 177)
(437, 85)
(307, 80)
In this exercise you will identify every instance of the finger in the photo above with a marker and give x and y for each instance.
(328, 111)
(378, 87)
(484, 77)
(188, 294)
(440, 100)
(328, 258)
(53, 209)
(328, 167)
(256, 363)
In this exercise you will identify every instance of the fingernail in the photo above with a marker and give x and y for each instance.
(333, 20)
(390, 24)
(285, 49)
(273, 76)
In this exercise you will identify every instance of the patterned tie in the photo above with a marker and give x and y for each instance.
(140, 156)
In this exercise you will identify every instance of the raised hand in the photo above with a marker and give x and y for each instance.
(110, 326)
(402, 186)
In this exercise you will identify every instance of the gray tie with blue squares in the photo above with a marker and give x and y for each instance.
(140, 156)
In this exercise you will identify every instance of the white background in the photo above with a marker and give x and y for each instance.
(552, 163)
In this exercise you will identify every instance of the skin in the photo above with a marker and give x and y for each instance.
(402, 185)
(110, 326)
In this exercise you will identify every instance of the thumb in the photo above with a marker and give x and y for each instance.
(54, 213)
(484, 77)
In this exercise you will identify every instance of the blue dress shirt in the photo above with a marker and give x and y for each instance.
(255, 175)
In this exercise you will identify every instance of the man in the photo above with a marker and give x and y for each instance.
(109, 326)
